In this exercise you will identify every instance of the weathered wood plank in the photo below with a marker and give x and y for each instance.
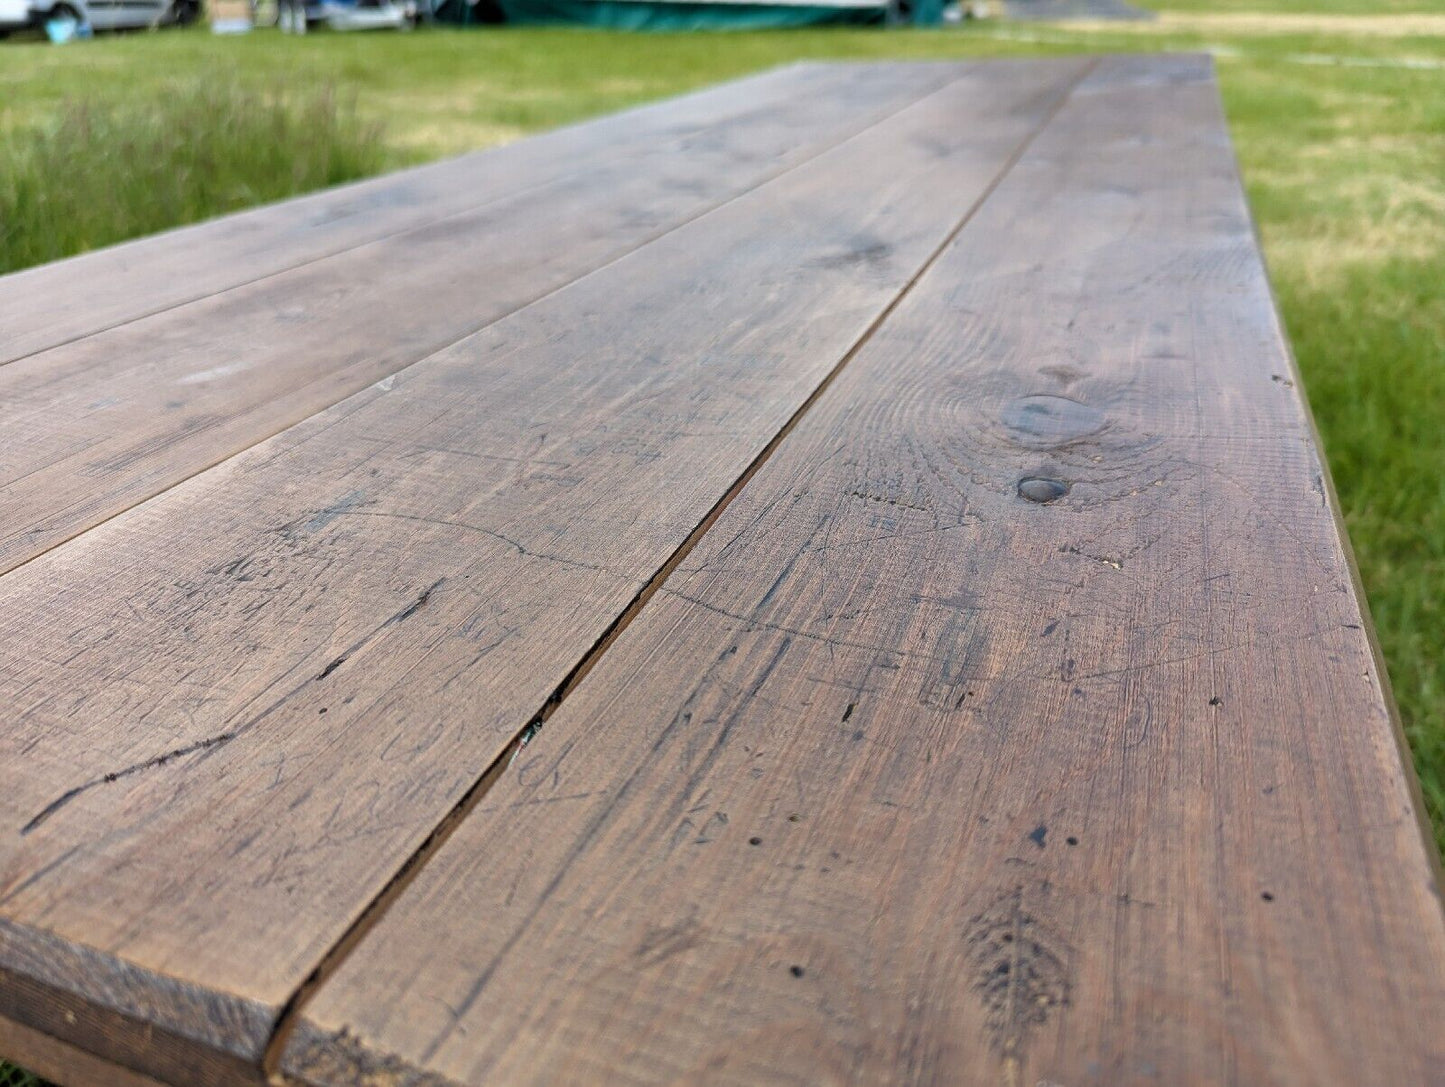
(242, 706)
(903, 778)
(55, 304)
(59, 1063)
(96, 426)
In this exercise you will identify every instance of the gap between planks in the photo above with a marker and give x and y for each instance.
(241, 995)
(700, 213)
(373, 912)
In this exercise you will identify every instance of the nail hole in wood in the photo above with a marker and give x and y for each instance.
(1038, 489)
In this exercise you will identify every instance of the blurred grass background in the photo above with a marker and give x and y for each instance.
(1337, 109)
(104, 168)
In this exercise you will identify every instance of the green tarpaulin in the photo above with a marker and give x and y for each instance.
(666, 15)
(693, 14)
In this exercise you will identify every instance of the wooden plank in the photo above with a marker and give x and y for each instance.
(904, 778)
(96, 426)
(63, 1064)
(61, 302)
(241, 707)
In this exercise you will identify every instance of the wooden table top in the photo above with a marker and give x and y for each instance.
(829, 579)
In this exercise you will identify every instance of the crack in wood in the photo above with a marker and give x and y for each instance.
(225, 737)
(116, 775)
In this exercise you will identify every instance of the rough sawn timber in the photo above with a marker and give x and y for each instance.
(242, 707)
(96, 426)
(904, 778)
(56, 303)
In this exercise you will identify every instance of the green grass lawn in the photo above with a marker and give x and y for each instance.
(1339, 121)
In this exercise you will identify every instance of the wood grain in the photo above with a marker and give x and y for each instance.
(42, 1055)
(96, 426)
(241, 707)
(904, 778)
(61, 302)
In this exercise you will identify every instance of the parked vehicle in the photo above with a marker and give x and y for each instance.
(355, 14)
(14, 15)
(97, 14)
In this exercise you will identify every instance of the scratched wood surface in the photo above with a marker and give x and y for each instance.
(57, 303)
(98, 425)
(1016, 724)
(244, 706)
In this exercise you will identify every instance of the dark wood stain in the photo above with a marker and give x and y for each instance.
(428, 562)
(890, 625)
(1237, 893)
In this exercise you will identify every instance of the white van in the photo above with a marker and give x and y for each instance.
(98, 14)
(14, 15)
